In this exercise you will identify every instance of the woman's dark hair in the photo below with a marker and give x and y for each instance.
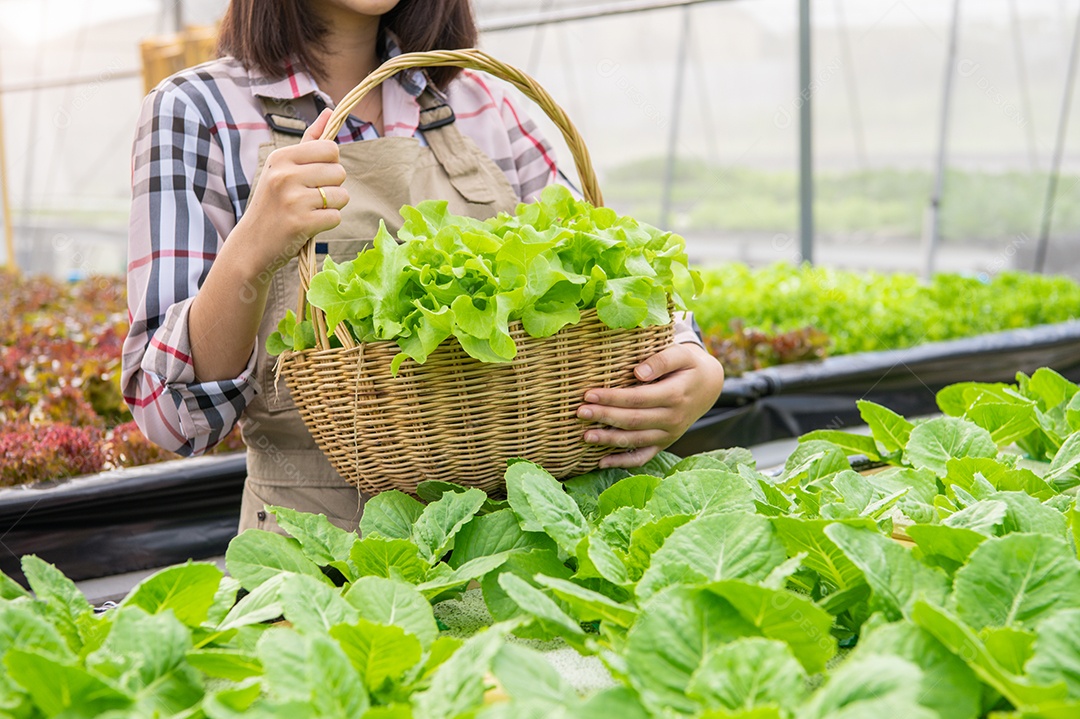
(266, 33)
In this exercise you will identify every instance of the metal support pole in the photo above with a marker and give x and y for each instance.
(5, 199)
(178, 15)
(708, 121)
(1025, 92)
(1059, 150)
(932, 229)
(857, 134)
(673, 130)
(806, 142)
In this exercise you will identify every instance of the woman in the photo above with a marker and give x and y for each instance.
(228, 185)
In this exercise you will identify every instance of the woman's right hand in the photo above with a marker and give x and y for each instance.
(286, 208)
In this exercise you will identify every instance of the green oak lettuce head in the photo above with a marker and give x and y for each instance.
(447, 275)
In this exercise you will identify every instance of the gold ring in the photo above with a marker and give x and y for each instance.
(321, 192)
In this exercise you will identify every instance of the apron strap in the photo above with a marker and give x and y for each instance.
(457, 156)
(289, 119)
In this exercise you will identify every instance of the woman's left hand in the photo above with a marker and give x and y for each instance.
(679, 384)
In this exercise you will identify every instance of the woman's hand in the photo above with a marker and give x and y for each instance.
(286, 208)
(680, 384)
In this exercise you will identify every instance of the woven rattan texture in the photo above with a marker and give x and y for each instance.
(457, 419)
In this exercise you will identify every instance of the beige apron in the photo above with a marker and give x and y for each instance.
(284, 466)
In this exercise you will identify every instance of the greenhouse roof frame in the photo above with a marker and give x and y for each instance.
(547, 17)
(805, 162)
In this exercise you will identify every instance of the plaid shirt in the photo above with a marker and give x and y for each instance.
(195, 153)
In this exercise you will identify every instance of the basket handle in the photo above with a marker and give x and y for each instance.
(471, 59)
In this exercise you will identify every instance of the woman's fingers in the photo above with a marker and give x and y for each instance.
(658, 416)
(321, 174)
(672, 359)
(315, 129)
(646, 418)
(630, 458)
(311, 150)
(287, 206)
(325, 220)
(312, 153)
(336, 197)
(626, 440)
(662, 369)
(640, 396)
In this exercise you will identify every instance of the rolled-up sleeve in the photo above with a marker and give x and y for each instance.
(685, 330)
(180, 214)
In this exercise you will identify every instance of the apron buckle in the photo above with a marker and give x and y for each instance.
(286, 125)
(444, 115)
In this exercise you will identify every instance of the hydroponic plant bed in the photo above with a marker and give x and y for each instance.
(703, 587)
(789, 400)
(783, 313)
(62, 412)
(124, 520)
(62, 415)
(816, 340)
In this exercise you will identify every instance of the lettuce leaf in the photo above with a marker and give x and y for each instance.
(451, 276)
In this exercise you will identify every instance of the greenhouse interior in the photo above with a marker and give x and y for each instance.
(454, 359)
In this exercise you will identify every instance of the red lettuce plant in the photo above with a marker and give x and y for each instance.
(49, 451)
(741, 349)
(60, 347)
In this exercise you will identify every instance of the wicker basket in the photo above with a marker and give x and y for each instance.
(455, 418)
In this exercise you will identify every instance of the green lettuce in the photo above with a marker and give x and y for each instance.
(451, 276)
(705, 587)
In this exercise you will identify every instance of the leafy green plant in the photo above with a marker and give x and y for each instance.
(60, 351)
(452, 276)
(707, 588)
(49, 451)
(873, 311)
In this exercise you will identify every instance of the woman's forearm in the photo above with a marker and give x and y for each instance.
(223, 322)
(298, 196)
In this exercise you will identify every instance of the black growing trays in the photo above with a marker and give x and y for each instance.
(790, 400)
(162, 514)
(124, 520)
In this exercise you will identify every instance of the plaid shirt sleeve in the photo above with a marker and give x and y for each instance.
(181, 212)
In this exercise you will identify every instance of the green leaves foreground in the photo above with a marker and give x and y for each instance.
(453, 276)
(702, 586)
